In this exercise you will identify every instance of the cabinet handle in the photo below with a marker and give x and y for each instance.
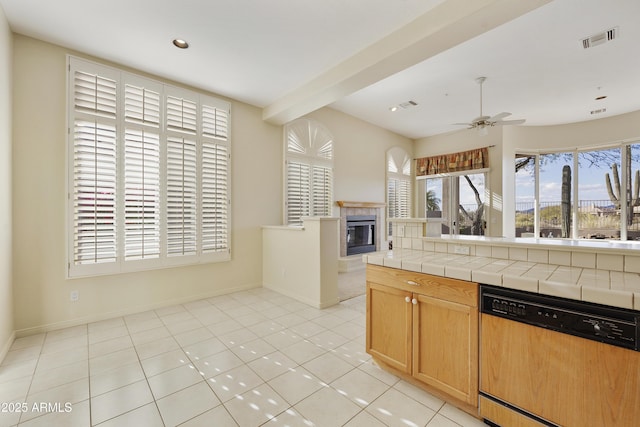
(412, 283)
(414, 301)
(407, 299)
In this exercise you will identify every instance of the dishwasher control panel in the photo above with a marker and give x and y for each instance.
(610, 325)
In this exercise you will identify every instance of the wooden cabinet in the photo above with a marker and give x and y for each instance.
(427, 327)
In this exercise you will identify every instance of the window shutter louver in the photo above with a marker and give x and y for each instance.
(215, 179)
(214, 197)
(298, 192)
(141, 173)
(181, 115)
(94, 193)
(404, 198)
(182, 200)
(94, 169)
(215, 122)
(141, 106)
(322, 194)
(142, 195)
(94, 95)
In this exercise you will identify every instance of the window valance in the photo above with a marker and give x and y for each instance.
(454, 162)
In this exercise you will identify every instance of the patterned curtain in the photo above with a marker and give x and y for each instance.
(454, 162)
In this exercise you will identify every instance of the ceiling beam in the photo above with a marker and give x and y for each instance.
(443, 27)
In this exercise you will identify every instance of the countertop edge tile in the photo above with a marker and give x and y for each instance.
(615, 298)
(486, 277)
(589, 285)
(521, 283)
(460, 273)
(558, 289)
(393, 263)
(412, 265)
(435, 269)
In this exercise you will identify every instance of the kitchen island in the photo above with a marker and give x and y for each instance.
(422, 328)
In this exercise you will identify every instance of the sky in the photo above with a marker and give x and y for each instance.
(591, 186)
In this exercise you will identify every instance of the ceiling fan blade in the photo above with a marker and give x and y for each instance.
(510, 122)
(499, 117)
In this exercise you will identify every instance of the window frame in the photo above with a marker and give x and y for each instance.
(221, 176)
(575, 180)
(315, 158)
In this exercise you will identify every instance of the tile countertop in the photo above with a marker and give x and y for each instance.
(608, 287)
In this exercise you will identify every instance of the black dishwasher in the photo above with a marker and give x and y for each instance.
(530, 368)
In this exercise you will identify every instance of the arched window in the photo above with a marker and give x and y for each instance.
(398, 185)
(309, 170)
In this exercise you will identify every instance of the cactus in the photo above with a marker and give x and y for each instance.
(633, 199)
(566, 201)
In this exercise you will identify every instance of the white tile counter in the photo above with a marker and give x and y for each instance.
(586, 274)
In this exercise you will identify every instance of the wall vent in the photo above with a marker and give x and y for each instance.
(408, 104)
(600, 38)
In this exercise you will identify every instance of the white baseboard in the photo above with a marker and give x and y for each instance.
(105, 316)
(303, 299)
(351, 263)
(7, 345)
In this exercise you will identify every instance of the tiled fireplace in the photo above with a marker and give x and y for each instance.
(366, 212)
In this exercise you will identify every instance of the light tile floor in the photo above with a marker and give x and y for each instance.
(249, 358)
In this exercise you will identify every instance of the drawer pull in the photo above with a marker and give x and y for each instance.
(412, 283)
(407, 299)
(414, 301)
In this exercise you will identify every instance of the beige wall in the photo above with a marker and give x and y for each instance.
(39, 177)
(360, 156)
(39, 174)
(6, 297)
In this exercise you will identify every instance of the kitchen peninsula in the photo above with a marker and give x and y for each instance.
(426, 322)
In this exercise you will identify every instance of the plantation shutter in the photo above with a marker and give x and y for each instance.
(141, 173)
(182, 177)
(403, 198)
(322, 190)
(309, 169)
(93, 115)
(392, 201)
(149, 173)
(298, 191)
(215, 179)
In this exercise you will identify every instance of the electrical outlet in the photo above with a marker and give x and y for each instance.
(74, 296)
(462, 250)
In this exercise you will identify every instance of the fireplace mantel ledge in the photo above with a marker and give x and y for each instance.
(344, 204)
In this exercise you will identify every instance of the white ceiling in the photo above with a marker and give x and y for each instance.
(361, 57)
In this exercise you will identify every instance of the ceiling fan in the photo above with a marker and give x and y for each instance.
(482, 123)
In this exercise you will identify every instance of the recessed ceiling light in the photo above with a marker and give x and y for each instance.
(182, 44)
(393, 109)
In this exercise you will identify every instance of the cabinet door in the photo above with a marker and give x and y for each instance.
(389, 320)
(445, 347)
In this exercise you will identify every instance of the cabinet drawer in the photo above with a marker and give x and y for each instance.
(444, 288)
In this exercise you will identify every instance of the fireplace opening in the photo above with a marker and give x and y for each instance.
(361, 231)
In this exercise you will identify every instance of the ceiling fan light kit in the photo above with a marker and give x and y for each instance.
(483, 122)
